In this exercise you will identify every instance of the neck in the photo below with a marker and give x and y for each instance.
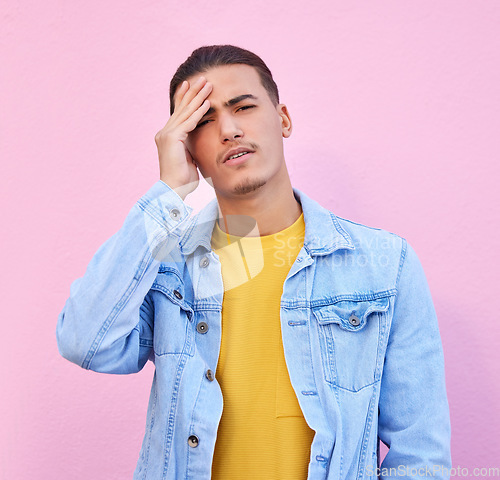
(263, 212)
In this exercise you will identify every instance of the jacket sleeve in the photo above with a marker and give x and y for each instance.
(106, 324)
(414, 415)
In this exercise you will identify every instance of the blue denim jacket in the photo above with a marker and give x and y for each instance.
(359, 329)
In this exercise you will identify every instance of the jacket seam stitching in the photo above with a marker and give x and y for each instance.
(191, 423)
(402, 260)
(151, 425)
(171, 417)
(364, 387)
(366, 434)
(355, 298)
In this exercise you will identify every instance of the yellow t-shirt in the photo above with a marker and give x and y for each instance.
(262, 433)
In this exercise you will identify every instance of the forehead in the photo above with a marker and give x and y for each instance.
(229, 81)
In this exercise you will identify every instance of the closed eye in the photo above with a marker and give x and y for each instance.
(204, 122)
(245, 107)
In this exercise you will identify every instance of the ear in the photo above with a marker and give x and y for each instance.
(286, 120)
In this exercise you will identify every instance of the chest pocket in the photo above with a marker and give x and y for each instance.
(350, 334)
(173, 316)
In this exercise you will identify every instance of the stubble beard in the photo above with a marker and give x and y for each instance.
(248, 185)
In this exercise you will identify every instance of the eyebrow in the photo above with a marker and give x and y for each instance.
(232, 102)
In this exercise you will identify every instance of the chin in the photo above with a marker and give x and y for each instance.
(248, 186)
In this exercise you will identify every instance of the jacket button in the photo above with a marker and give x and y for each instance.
(178, 294)
(202, 327)
(204, 262)
(175, 214)
(193, 441)
(354, 320)
(210, 375)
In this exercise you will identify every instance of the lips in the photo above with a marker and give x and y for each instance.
(236, 151)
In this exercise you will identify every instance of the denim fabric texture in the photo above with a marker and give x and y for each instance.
(359, 329)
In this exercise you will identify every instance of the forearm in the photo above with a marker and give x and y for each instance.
(106, 323)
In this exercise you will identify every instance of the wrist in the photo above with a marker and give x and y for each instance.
(182, 189)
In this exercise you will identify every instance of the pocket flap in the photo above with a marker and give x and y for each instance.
(350, 314)
(170, 284)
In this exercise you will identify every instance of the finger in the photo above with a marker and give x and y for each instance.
(180, 92)
(196, 102)
(181, 114)
(192, 121)
(192, 92)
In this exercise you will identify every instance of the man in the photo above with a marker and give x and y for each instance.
(286, 341)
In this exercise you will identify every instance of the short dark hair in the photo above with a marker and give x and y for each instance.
(204, 58)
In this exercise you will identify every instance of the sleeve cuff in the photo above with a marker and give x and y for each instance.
(165, 206)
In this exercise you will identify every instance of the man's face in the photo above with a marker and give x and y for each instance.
(242, 118)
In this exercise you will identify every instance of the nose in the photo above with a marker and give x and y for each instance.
(229, 129)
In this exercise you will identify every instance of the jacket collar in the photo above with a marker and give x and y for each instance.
(323, 234)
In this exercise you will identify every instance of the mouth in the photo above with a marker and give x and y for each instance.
(237, 155)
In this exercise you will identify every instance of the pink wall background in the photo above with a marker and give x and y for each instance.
(396, 120)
